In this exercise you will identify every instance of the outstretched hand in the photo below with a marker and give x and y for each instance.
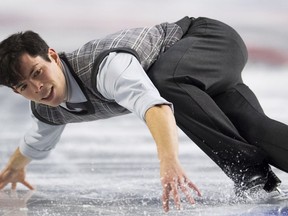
(14, 176)
(15, 171)
(162, 125)
(173, 179)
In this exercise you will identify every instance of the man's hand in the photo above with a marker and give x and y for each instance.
(15, 171)
(14, 176)
(162, 125)
(174, 179)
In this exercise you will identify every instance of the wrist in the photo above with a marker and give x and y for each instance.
(17, 161)
(171, 158)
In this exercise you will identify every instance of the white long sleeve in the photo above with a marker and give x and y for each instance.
(122, 78)
(40, 139)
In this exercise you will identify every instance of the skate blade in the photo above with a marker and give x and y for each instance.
(279, 195)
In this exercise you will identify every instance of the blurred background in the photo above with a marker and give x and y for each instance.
(67, 24)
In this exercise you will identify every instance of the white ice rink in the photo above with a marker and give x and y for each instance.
(110, 167)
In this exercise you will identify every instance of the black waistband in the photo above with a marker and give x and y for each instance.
(185, 23)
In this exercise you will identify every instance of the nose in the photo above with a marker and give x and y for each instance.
(36, 85)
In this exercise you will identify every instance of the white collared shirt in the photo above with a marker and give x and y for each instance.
(120, 78)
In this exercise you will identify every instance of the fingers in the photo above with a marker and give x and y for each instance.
(168, 189)
(2, 185)
(28, 185)
(172, 188)
(165, 197)
(193, 186)
(14, 184)
(13, 176)
(187, 194)
(176, 197)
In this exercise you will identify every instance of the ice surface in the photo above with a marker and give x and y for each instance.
(110, 167)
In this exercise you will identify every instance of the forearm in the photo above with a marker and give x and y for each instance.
(17, 161)
(161, 123)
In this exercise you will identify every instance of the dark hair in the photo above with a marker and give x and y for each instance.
(12, 48)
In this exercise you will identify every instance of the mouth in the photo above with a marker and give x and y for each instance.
(49, 95)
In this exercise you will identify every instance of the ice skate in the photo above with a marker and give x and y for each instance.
(261, 187)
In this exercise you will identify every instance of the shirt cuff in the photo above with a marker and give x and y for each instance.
(149, 100)
(32, 153)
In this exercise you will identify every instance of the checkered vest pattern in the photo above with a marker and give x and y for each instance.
(145, 43)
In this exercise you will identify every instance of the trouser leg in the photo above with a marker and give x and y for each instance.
(206, 62)
(201, 119)
(243, 109)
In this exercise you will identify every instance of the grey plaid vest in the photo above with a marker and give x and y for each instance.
(145, 43)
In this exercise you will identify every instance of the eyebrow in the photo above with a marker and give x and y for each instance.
(20, 83)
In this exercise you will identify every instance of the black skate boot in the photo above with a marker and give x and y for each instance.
(272, 182)
(251, 185)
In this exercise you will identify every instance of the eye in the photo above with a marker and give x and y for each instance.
(23, 87)
(36, 73)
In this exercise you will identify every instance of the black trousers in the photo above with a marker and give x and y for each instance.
(201, 76)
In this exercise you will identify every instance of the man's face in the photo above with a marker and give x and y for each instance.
(44, 82)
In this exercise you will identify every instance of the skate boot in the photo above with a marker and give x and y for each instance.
(272, 182)
(251, 187)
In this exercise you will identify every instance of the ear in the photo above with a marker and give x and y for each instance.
(53, 55)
